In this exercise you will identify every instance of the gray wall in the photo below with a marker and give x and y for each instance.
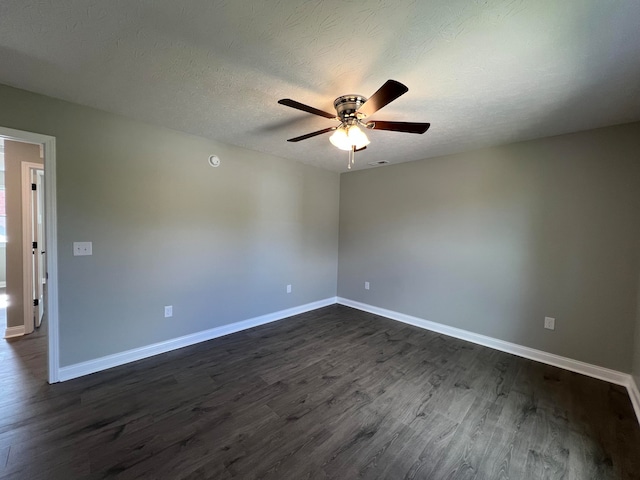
(493, 241)
(219, 244)
(14, 154)
(490, 241)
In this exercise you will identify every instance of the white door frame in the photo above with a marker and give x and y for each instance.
(51, 238)
(28, 257)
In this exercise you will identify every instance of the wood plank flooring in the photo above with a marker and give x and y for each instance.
(335, 393)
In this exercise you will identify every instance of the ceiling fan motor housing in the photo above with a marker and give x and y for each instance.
(347, 107)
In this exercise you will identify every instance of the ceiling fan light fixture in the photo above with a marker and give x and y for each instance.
(346, 138)
(340, 139)
(357, 137)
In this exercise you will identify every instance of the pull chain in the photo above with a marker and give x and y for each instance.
(352, 157)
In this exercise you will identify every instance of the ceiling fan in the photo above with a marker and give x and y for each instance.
(352, 112)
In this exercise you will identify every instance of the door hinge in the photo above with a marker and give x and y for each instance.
(34, 245)
(33, 186)
(36, 302)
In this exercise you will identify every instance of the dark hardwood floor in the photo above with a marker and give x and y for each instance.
(334, 393)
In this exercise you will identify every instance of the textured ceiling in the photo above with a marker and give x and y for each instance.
(482, 72)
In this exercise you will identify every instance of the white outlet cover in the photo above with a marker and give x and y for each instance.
(288, 288)
(168, 311)
(82, 249)
(366, 285)
(550, 323)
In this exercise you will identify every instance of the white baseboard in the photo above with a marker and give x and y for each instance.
(634, 394)
(12, 332)
(601, 373)
(92, 366)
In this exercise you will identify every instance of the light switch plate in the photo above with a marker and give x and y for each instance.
(550, 323)
(82, 248)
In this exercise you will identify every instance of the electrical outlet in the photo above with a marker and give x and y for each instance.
(366, 285)
(81, 249)
(168, 311)
(288, 288)
(550, 323)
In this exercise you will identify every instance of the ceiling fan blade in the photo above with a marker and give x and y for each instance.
(386, 94)
(360, 149)
(408, 127)
(312, 134)
(305, 108)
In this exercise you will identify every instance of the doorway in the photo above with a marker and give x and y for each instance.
(35, 251)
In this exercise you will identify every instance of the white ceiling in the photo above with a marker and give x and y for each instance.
(482, 72)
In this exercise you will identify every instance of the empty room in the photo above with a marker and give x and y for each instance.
(320, 239)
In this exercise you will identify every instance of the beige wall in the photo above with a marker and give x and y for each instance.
(3, 249)
(3, 263)
(219, 244)
(15, 153)
(493, 241)
(636, 352)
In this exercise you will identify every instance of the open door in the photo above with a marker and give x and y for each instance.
(33, 237)
(37, 232)
(42, 260)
